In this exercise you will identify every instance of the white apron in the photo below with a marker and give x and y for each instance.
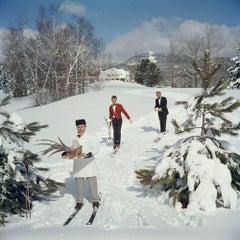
(84, 167)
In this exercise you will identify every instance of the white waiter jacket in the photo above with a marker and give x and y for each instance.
(84, 167)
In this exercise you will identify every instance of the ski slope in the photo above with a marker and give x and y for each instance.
(127, 209)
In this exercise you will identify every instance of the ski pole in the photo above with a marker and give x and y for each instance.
(28, 211)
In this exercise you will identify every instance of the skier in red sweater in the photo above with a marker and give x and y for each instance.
(115, 114)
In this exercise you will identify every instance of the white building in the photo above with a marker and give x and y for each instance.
(115, 74)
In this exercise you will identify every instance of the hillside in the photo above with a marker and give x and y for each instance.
(127, 209)
(181, 62)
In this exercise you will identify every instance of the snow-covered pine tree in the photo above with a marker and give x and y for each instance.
(234, 72)
(17, 171)
(198, 170)
(5, 83)
(147, 73)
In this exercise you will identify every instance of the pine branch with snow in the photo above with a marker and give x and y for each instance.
(145, 177)
(211, 112)
(17, 171)
(13, 129)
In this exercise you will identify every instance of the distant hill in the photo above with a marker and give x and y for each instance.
(182, 67)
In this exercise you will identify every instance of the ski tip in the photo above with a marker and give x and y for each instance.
(115, 151)
(66, 223)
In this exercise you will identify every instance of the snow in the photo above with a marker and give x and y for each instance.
(210, 172)
(128, 210)
(151, 57)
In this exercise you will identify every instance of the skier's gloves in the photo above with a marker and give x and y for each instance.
(89, 155)
(130, 120)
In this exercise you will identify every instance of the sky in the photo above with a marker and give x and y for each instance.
(131, 26)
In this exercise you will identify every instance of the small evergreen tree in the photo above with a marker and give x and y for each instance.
(148, 73)
(21, 182)
(5, 83)
(186, 170)
(234, 72)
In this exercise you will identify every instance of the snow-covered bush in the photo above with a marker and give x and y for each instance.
(197, 170)
(21, 182)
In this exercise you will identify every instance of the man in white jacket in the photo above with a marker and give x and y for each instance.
(84, 167)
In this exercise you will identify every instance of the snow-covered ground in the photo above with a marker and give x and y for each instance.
(127, 209)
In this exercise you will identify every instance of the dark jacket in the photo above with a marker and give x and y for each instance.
(162, 105)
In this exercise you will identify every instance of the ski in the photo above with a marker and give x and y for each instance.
(114, 153)
(92, 217)
(157, 139)
(71, 217)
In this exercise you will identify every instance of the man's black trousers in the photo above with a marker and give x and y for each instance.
(117, 125)
(162, 121)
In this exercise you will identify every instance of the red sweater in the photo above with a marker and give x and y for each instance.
(118, 110)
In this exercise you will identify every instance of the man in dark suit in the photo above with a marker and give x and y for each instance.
(162, 110)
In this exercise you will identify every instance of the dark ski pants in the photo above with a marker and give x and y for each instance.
(117, 125)
(93, 189)
(162, 121)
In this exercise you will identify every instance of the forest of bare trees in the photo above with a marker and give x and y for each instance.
(55, 61)
(194, 45)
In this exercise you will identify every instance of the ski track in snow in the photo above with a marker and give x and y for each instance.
(125, 203)
(123, 196)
